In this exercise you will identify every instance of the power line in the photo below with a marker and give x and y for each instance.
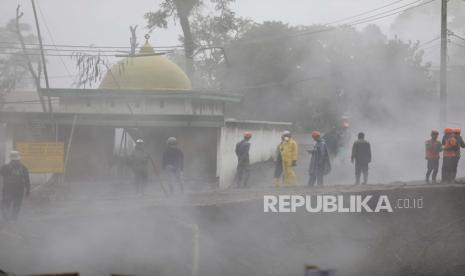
(391, 14)
(429, 41)
(65, 50)
(333, 28)
(51, 38)
(386, 12)
(89, 46)
(457, 36)
(52, 55)
(363, 13)
(80, 54)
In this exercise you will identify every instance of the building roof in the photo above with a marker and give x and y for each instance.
(143, 94)
(147, 72)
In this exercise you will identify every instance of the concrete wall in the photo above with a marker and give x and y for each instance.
(146, 107)
(265, 139)
(29, 102)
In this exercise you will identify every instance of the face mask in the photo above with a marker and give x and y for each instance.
(286, 139)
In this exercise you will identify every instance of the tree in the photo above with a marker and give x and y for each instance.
(312, 80)
(205, 31)
(14, 71)
(182, 10)
(213, 32)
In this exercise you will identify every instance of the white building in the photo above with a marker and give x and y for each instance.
(146, 97)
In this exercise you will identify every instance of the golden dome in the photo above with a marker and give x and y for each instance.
(146, 73)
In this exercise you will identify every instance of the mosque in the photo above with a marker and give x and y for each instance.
(143, 96)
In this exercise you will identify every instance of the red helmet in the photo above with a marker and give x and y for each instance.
(248, 134)
(316, 134)
(448, 130)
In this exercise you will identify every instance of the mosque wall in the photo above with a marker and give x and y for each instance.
(145, 106)
(265, 139)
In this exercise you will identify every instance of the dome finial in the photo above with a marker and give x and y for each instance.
(147, 48)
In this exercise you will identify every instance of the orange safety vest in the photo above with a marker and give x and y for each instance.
(451, 147)
(432, 149)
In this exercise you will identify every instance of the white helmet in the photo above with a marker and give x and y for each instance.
(172, 141)
(286, 133)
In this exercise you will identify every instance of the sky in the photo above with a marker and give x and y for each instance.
(106, 22)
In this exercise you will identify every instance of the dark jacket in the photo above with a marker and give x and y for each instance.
(319, 163)
(361, 152)
(174, 157)
(242, 152)
(15, 179)
(139, 160)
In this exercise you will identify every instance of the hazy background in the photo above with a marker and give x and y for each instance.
(106, 22)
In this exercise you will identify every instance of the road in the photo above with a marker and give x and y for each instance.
(153, 235)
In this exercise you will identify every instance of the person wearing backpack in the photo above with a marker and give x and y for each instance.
(16, 184)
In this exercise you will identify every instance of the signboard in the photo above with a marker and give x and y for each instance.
(42, 157)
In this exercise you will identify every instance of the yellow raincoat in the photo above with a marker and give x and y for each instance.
(289, 153)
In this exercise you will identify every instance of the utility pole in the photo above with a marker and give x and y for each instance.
(443, 72)
(47, 85)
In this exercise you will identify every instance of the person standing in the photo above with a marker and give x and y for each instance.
(455, 160)
(243, 161)
(16, 184)
(289, 154)
(432, 150)
(139, 160)
(319, 163)
(173, 165)
(450, 150)
(361, 155)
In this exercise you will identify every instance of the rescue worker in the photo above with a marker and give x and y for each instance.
(173, 165)
(432, 149)
(278, 170)
(139, 160)
(450, 149)
(361, 155)
(319, 163)
(15, 185)
(243, 161)
(289, 154)
(456, 158)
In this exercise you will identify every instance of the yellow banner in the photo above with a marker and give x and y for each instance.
(42, 157)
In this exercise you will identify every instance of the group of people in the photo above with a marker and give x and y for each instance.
(172, 165)
(16, 183)
(287, 155)
(450, 146)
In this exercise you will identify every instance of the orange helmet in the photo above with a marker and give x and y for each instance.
(457, 130)
(448, 130)
(316, 134)
(248, 134)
